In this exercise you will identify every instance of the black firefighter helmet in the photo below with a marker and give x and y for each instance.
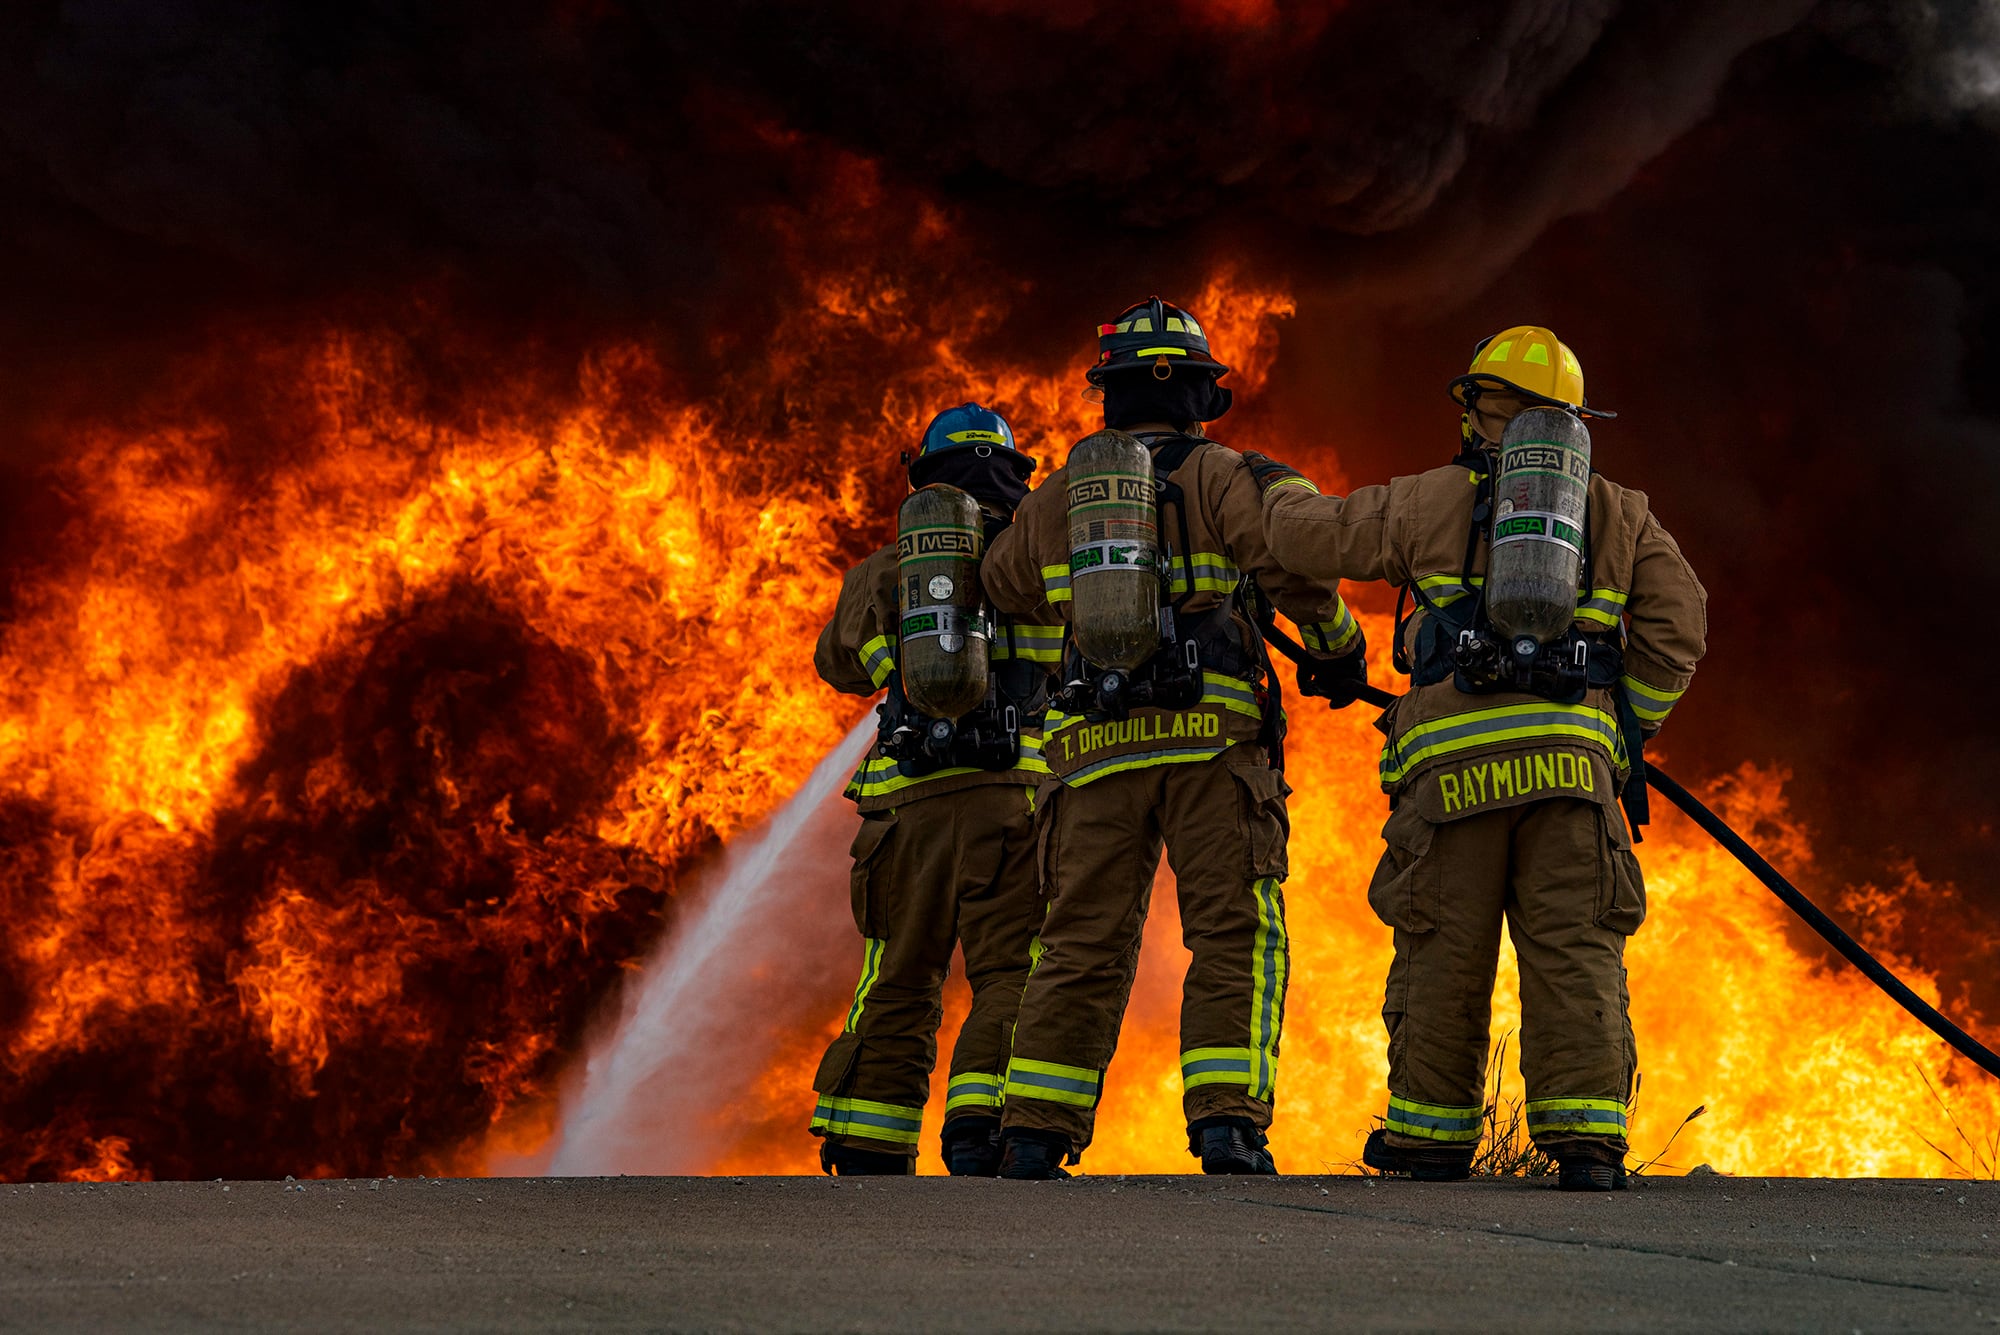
(1155, 334)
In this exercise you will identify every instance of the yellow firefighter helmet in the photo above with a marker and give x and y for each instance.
(1529, 361)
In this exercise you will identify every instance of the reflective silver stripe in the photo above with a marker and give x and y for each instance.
(1469, 1123)
(1140, 759)
(1458, 732)
(1232, 1065)
(1043, 1080)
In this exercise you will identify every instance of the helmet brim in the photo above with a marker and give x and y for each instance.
(921, 468)
(1097, 375)
(1469, 387)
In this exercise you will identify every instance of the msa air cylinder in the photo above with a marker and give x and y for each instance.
(1114, 551)
(1540, 494)
(942, 631)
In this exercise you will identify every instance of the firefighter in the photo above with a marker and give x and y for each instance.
(945, 854)
(1183, 755)
(1505, 761)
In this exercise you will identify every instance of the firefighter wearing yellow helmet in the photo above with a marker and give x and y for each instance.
(1549, 624)
(1149, 542)
(945, 856)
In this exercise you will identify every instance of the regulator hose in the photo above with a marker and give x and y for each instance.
(1717, 829)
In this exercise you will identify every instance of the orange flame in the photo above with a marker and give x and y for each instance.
(340, 786)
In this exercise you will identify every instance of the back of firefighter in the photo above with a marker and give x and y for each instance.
(1504, 805)
(1198, 776)
(945, 854)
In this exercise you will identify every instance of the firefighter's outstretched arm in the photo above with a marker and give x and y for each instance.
(856, 652)
(1330, 537)
(1327, 627)
(1667, 626)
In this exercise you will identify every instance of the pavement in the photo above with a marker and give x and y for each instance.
(1097, 1253)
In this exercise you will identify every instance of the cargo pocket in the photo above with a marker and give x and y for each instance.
(1407, 891)
(836, 1068)
(1621, 886)
(869, 841)
(1048, 800)
(1266, 826)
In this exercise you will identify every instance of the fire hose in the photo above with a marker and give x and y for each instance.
(1718, 829)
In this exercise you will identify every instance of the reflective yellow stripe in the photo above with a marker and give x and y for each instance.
(871, 969)
(1435, 1121)
(1333, 637)
(1212, 572)
(896, 1123)
(878, 660)
(1159, 352)
(975, 1091)
(1295, 482)
(1507, 723)
(877, 775)
(1055, 580)
(1054, 1082)
(1215, 1066)
(1270, 970)
(1591, 1117)
(1034, 644)
(1650, 703)
(1604, 607)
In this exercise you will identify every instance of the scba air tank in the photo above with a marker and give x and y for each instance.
(1114, 551)
(943, 630)
(1541, 493)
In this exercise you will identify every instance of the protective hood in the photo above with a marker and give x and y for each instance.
(992, 478)
(1132, 397)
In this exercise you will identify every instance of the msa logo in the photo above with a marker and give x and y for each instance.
(1091, 489)
(937, 542)
(1548, 458)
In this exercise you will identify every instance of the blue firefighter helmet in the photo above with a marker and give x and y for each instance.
(970, 427)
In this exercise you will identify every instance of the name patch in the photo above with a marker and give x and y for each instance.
(1551, 772)
(1079, 740)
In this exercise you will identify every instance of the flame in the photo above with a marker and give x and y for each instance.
(354, 748)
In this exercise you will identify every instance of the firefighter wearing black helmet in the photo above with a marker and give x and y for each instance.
(1179, 749)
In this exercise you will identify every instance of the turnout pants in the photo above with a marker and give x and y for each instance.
(1223, 824)
(1560, 872)
(957, 867)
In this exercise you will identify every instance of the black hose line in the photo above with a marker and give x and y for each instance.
(1857, 954)
(1830, 931)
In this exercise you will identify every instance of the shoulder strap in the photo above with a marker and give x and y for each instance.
(1169, 453)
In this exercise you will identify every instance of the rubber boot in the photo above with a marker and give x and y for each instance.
(1586, 1173)
(1230, 1146)
(1443, 1164)
(1030, 1155)
(847, 1161)
(972, 1147)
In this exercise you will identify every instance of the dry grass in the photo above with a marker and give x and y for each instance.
(1978, 1159)
(1507, 1150)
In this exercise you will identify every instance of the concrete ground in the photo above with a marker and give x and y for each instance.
(1102, 1253)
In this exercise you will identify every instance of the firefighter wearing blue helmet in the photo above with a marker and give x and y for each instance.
(945, 855)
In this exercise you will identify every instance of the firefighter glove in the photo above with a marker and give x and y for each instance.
(1338, 681)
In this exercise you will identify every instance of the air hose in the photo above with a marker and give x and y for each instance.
(1873, 969)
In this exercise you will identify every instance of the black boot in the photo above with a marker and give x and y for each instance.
(1230, 1145)
(1587, 1173)
(972, 1147)
(1443, 1164)
(846, 1161)
(1026, 1154)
